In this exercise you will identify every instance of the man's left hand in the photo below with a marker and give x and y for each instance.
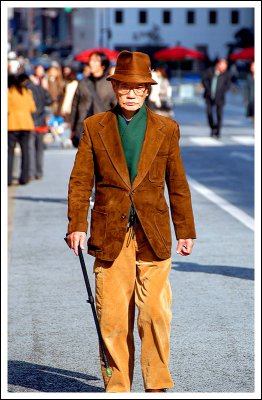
(185, 247)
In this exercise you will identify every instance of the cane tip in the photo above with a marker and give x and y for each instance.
(108, 372)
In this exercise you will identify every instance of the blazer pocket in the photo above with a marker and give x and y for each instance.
(162, 223)
(98, 228)
(158, 169)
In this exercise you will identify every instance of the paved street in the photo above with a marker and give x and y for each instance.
(52, 338)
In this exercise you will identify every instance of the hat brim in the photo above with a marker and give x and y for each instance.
(132, 79)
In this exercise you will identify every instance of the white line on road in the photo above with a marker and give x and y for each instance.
(247, 140)
(240, 215)
(205, 141)
(244, 156)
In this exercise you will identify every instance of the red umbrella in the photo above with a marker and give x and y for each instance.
(244, 54)
(83, 56)
(178, 53)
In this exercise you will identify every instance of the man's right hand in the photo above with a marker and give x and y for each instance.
(74, 239)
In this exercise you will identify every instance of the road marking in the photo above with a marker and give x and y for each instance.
(205, 141)
(247, 140)
(240, 215)
(244, 156)
(234, 122)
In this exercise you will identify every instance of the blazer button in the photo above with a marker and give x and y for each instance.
(123, 216)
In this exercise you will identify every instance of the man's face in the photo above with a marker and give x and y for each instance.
(222, 65)
(95, 65)
(39, 71)
(130, 96)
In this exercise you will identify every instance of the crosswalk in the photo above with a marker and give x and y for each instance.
(205, 141)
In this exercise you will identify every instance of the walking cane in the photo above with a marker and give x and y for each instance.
(91, 301)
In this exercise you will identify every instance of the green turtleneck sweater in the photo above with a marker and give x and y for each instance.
(132, 136)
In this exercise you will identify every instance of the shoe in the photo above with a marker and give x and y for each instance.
(155, 390)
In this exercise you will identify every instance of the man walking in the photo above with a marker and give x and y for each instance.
(216, 81)
(93, 94)
(131, 152)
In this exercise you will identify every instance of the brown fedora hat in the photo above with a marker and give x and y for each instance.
(133, 67)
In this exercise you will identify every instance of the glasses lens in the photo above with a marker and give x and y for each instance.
(124, 89)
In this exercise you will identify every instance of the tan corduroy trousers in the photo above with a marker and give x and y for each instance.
(120, 285)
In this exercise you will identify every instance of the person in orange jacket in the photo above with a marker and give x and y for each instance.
(20, 123)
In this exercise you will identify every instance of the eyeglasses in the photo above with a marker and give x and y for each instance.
(125, 89)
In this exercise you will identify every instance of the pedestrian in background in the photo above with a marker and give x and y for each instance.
(131, 153)
(56, 87)
(39, 76)
(42, 99)
(84, 73)
(249, 91)
(160, 97)
(216, 81)
(93, 94)
(70, 89)
(66, 72)
(20, 123)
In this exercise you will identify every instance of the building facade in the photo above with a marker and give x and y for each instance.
(211, 30)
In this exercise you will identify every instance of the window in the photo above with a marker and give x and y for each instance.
(166, 17)
(234, 17)
(142, 17)
(212, 17)
(119, 17)
(190, 17)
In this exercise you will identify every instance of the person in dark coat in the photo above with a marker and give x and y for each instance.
(250, 91)
(216, 81)
(94, 94)
(42, 99)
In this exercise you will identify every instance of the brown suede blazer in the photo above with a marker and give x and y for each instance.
(100, 156)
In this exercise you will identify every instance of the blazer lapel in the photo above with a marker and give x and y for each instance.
(152, 142)
(111, 139)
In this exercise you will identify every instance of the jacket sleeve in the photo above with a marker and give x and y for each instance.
(31, 105)
(47, 98)
(206, 82)
(80, 185)
(74, 110)
(179, 192)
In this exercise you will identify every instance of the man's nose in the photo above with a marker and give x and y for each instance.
(131, 93)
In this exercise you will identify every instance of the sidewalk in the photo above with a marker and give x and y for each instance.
(53, 343)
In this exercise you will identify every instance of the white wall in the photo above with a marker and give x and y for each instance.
(89, 26)
(201, 33)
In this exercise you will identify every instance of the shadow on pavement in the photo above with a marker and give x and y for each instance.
(47, 379)
(234, 272)
(44, 199)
